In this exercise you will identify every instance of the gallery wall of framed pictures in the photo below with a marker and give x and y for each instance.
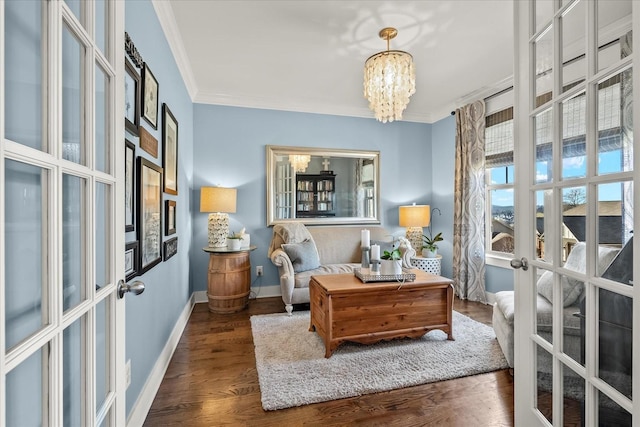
(151, 174)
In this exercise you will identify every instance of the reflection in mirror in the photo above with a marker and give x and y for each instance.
(317, 186)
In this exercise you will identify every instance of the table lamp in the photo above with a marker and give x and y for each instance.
(219, 202)
(414, 217)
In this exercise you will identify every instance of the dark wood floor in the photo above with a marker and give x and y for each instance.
(212, 381)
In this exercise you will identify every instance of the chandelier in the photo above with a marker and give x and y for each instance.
(389, 80)
(299, 162)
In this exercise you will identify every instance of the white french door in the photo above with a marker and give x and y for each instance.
(575, 195)
(61, 213)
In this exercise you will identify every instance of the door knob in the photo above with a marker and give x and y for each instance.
(136, 288)
(520, 263)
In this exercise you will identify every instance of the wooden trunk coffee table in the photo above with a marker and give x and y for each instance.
(343, 308)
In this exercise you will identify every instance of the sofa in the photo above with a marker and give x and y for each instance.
(573, 296)
(300, 252)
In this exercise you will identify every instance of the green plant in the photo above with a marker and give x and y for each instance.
(430, 241)
(393, 255)
(237, 236)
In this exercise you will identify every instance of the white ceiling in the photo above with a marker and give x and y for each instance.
(308, 56)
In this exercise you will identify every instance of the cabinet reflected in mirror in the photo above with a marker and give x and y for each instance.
(317, 186)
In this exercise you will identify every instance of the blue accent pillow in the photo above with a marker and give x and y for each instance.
(304, 256)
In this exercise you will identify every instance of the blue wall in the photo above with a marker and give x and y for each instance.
(151, 316)
(230, 145)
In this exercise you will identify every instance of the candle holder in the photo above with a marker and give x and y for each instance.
(375, 266)
(365, 256)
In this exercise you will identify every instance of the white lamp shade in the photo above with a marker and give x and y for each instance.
(218, 199)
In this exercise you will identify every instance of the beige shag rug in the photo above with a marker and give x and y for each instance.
(293, 371)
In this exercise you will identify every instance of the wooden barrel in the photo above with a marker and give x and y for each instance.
(229, 281)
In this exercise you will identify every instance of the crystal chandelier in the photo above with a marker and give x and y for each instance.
(389, 80)
(299, 162)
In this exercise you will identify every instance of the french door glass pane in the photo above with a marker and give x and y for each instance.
(608, 13)
(544, 382)
(102, 352)
(573, 394)
(24, 405)
(543, 123)
(26, 262)
(610, 413)
(615, 328)
(573, 317)
(101, 111)
(101, 23)
(574, 223)
(73, 240)
(76, 7)
(543, 48)
(543, 13)
(574, 129)
(102, 234)
(24, 50)
(574, 65)
(544, 319)
(615, 124)
(73, 85)
(543, 202)
(615, 228)
(73, 369)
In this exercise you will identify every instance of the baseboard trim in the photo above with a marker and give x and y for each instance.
(147, 395)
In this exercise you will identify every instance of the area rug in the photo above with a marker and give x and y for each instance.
(293, 371)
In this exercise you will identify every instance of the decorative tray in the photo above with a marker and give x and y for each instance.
(406, 276)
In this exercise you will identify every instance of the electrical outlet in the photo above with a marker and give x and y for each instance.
(127, 370)
(259, 271)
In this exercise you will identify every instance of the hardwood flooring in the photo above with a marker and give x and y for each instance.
(212, 381)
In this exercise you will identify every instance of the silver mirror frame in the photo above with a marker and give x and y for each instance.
(273, 151)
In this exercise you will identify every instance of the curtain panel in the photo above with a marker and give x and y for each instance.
(469, 204)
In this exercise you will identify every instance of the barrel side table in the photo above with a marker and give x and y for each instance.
(228, 279)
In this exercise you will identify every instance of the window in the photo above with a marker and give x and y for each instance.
(499, 182)
(614, 155)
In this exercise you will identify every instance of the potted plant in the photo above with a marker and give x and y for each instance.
(234, 241)
(430, 249)
(391, 262)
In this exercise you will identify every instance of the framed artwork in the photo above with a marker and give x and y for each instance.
(148, 143)
(170, 248)
(149, 210)
(129, 192)
(169, 217)
(150, 96)
(131, 260)
(132, 92)
(169, 150)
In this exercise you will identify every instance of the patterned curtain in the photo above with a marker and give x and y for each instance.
(469, 194)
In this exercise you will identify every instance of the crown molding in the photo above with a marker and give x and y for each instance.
(264, 103)
(164, 11)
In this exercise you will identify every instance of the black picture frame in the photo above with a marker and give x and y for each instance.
(169, 150)
(149, 213)
(170, 248)
(150, 91)
(132, 93)
(131, 260)
(129, 185)
(169, 217)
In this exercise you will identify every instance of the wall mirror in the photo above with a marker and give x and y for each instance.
(322, 186)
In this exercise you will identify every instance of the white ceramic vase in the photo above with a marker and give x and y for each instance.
(234, 244)
(390, 266)
(430, 254)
